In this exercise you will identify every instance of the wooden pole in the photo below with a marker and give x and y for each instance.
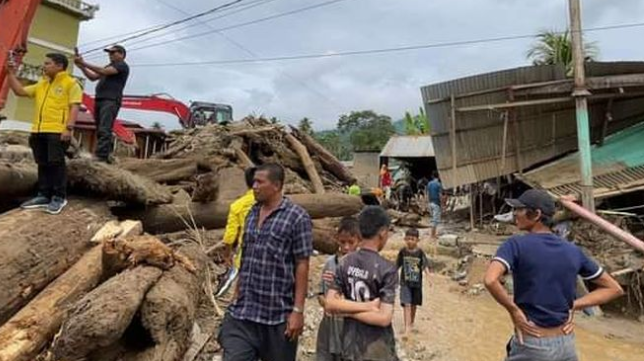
(472, 207)
(580, 94)
(145, 149)
(504, 144)
(453, 132)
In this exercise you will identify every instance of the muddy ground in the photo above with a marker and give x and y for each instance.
(464, 323)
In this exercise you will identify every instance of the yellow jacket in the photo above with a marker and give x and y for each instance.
(53, 99)
(235, 224)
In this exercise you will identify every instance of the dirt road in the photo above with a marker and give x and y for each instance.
(456, 326)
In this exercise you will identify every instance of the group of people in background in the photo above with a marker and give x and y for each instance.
(57, 97)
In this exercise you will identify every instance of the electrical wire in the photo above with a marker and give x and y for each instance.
(171, 24)
(236, 26)
(377, 51)
(255, 55)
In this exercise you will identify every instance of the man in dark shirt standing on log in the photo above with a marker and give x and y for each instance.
(109, 93)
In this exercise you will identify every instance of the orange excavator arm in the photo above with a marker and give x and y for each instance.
(15, 19)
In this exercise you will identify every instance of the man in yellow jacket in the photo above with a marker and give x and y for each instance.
(233, 237)
(57, 97)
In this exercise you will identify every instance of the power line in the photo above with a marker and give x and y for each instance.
(118, 36)
(252, 22)
(174, 23)
(255, 55)
(205, 22)
(378, 51)
(242, 8)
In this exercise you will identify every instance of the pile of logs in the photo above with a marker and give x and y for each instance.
(83, 286)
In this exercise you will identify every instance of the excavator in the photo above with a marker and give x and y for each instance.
(196, 114)
(16, 17)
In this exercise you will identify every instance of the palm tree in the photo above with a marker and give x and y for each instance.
(157, 125)
(554, 47)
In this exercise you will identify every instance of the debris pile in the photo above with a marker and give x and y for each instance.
(83, 285)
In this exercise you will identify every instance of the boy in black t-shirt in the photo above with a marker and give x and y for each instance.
(364, 291)
(412, 261)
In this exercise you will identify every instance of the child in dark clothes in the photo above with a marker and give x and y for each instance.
(412, 261)
(329, 342)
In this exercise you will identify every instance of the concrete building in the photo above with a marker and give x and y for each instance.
(54, 29)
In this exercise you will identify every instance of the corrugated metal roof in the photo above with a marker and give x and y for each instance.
(618, 167)
(534, 133)
(410, 146)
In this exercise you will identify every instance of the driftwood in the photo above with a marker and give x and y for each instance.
(328, 160)
(100, 179)
(25, 334)
(169, 308)
(101, 317)
(16, 153)
(206, 188)
(324, 239)
(172, 218)
(37, 247)
(17, 179)
(232, 184)
(301, 151)
(162, 170)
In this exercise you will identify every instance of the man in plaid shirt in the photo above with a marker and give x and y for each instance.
(266, 319)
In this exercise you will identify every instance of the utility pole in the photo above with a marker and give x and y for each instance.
(580, 94)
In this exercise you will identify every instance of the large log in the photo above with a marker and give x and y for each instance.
(324, 239)
(36, 247)
(101, 317)
(112, 182)
(172, 218)
(301, 151)
(169, 309)
(232, 184)
(328, 160)
(162, 170)
(17, 179)
(25, 334)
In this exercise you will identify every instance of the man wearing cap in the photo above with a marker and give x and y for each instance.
(109, 93)
(544, 268)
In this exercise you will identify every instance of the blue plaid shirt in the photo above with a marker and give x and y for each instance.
(267, 274)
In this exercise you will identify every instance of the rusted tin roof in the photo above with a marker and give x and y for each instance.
(409, 146)
(532, 109)
(618, 167)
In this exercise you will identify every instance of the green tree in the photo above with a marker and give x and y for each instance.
(366, 130)
(157, 125)
(416, 124)
(554, 47)
(306, 125)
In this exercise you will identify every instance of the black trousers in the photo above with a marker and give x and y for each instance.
(250, 341)
(105, 112)
(49, 154)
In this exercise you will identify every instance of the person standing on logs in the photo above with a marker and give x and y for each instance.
(544, 268)
(57, 98)
(109, 93)
(233, 237)
(266, 319)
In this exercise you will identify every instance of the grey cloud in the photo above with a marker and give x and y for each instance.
(387, 83)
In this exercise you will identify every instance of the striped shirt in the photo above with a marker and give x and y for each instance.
(267, 274)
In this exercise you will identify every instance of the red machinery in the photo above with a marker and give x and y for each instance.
(15, 17)
(198, 113)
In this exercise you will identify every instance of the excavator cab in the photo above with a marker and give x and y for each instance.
(203, 113)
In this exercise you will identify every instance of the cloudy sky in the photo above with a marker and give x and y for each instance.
(324, 88)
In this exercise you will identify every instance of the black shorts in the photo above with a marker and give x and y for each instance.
(249, 341)
(411, 296)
